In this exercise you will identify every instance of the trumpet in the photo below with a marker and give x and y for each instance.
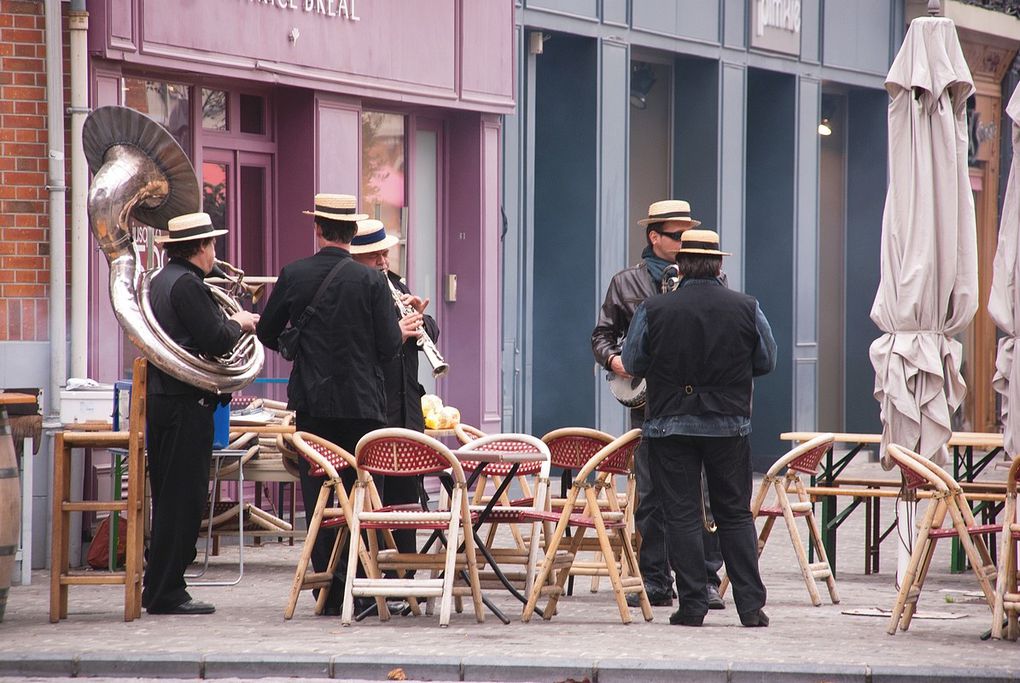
(439, 366)
(229, 274)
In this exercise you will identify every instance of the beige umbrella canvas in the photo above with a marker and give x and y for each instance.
(1004, 302)
(928, 292)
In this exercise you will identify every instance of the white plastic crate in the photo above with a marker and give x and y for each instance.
(86, 405)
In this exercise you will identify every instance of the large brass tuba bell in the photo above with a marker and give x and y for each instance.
(139, 171)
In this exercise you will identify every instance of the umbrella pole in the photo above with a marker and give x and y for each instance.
(906, 509)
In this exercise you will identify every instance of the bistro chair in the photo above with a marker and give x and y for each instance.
(1007, 597)
(615, 458)
(947, 498)
(396, 452)
(570, 448)
(325, 459)
(802, 460)
(525, 552)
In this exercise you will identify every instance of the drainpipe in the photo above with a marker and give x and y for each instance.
(57, 190)
(79, 24)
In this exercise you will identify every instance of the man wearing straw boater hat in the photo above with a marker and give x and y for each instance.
(179, 417)
(347, 335)
(698, 348)
(371, 247)
(666, 220)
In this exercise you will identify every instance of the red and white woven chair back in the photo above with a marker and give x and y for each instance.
(572, 447)
(403, 452)
(616, 457)
(325, 458)
(916, 470)
(805, 457)
(466, 433)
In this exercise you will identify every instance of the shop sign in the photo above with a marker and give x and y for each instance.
(775, 25)
(341, 9)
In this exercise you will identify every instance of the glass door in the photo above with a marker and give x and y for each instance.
(423, 240)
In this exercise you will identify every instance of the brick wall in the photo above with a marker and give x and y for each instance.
(24, 221)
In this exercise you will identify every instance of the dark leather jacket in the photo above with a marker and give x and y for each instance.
(627, 290)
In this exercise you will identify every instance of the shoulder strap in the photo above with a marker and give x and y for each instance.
(310, 308)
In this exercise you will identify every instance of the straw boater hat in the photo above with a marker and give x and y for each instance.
(372, 237)
(669, 210)
(337, 207)
(701, 242)
(190, 226)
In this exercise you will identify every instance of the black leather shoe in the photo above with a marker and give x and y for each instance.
(715, 601)
(678, 619)
(189, 607)
(754, 618)
(656, 598)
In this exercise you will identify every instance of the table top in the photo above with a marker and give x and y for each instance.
(497, 456)
(982, 439)
(15, 399)
(262, 429)
(439, 433)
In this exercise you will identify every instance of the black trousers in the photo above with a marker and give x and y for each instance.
(344, 433)
(676, 464)
(179, 442)
(653, 559)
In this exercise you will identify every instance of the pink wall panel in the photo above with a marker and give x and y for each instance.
(339, 159)
(487, 54)
(395, 40)
(122, 22)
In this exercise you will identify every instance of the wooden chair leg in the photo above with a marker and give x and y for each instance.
(1006, 558)
(798, 547)
(306, 553)
(354, 550)
(61, 491)
(608, 557)
(472, 563)
(550, 557)
(921, 545)
(450, 567)
(630, 561)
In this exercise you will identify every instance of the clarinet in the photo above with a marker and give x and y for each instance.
(439, 366)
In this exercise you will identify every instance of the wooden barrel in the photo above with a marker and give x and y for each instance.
(10, 497)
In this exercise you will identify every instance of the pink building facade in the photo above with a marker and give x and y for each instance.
(400, 103)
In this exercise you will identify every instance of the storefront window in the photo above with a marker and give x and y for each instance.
(215, 191)
(253, 114)
(383, 177)
(165, 103)
(214, 109)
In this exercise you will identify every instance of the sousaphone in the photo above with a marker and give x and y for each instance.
(139, 171)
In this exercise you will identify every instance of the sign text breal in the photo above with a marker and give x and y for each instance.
(342, 9)
(781, 14)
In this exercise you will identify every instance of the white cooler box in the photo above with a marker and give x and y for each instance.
(86, 405)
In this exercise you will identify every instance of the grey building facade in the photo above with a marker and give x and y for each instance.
(719, 102)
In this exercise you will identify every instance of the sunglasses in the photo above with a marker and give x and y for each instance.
(675, 236)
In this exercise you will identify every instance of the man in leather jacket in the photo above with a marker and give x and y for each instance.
(627, 290)
(179, 420)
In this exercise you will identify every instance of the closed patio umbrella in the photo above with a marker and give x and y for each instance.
(1004, 302)
(928, 289)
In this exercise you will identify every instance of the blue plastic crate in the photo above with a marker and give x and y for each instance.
(221, 426)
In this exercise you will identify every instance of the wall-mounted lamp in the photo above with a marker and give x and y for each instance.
(642, 78)
(825, 126)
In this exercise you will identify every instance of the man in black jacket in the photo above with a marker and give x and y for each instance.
(628, 288)
(698, 349)
(336, 383)
(179, 419)
(371, 247)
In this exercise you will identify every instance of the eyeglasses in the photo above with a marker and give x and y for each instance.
(675, 236)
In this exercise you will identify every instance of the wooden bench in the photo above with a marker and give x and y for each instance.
(830, 484)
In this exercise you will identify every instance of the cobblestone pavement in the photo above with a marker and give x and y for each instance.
(247, 636)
